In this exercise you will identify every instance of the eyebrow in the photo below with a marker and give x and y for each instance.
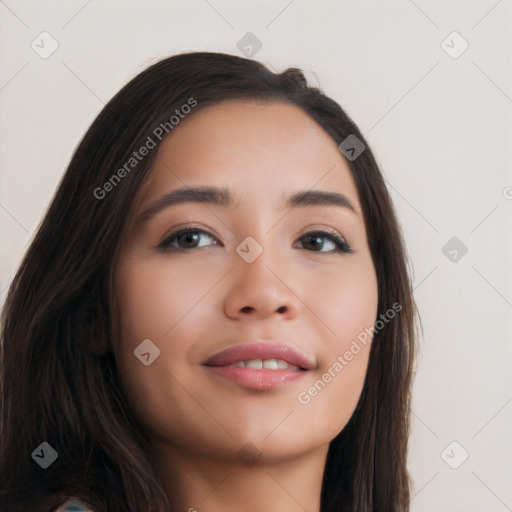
(222, 197)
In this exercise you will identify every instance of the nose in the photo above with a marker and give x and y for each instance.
(260, 289)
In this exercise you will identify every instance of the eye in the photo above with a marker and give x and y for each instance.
(314, 239)
(186, 238)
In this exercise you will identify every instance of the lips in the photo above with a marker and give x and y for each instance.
(260, 350)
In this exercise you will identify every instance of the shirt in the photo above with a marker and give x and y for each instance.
(73, 505)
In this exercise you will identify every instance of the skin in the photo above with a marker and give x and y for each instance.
(196, 301)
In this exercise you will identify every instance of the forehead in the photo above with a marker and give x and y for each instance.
(251, 148)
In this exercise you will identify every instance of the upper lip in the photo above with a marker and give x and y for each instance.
(260, 350)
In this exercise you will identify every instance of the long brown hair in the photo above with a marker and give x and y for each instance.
(56, 388)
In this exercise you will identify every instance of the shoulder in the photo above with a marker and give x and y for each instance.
(72, 505)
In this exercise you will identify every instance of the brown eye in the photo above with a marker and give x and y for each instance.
(315, 240)
(189, 238)
(186, 238)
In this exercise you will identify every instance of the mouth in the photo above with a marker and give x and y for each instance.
(267, 364)
(259, 365)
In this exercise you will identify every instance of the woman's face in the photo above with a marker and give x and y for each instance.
(254, 269)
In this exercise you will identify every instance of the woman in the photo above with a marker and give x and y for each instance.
(216, 311)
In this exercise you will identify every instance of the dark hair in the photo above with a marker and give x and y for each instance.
(57, 387)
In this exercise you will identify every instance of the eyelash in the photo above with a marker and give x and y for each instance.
(165, 244)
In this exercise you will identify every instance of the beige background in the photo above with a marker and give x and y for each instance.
(440, 126)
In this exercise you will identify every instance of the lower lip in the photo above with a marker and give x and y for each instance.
(251, 378)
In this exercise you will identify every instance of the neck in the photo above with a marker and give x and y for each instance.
(195, 483)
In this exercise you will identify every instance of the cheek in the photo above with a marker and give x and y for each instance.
(345, 304)
(154, 298)
(160, 302)
(156, 302)
(344, 301)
